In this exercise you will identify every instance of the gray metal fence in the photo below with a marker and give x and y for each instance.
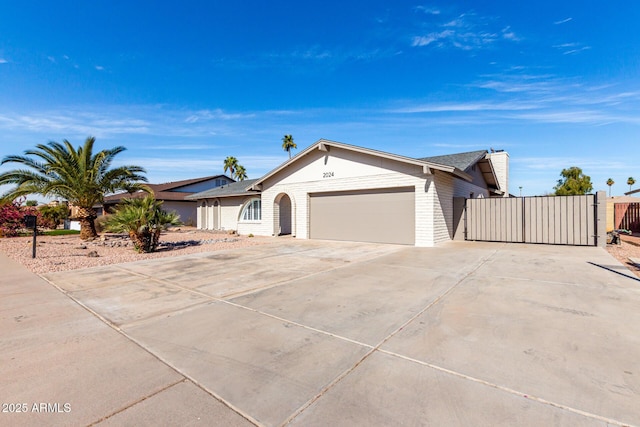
(556, 220)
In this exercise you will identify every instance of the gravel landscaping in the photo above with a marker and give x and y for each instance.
(61, 253)
(629, 247)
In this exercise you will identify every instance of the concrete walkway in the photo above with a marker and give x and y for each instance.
(328, 333)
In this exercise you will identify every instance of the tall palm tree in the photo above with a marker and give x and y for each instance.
(79, 176)
(241, 173)
(231, 164)
(630, 182)
(288, 144)
(610, 182)
(143, 219)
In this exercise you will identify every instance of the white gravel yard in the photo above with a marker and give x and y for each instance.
(62, 253)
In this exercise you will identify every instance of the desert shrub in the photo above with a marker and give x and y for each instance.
(143, 219)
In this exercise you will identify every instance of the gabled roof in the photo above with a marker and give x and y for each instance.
(454, 164)
(164, 191)
(174, 185)
(325, 145)
(240, 188)
(462, 161)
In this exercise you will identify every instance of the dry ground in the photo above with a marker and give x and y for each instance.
(62, 253)
(629, 248)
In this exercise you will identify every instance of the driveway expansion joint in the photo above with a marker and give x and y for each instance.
(447, 295)
(142, 399)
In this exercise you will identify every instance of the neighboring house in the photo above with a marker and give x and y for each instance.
(173, 194)
(626, 200)
(336, 191)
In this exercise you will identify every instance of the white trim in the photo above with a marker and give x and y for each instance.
(324, 145)
(245, 208)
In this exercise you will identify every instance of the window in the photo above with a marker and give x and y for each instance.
(252, 211)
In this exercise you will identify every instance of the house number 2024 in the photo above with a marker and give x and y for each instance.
(327, 174)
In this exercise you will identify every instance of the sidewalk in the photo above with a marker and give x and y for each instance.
(61, 365)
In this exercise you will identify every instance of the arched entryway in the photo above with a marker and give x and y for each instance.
(283, 215)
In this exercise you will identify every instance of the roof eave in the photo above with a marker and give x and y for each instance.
(221, 196)
(325, 146)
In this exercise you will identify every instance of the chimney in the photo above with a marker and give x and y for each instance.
(500, 162)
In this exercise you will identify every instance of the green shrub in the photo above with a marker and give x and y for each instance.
(143, 219)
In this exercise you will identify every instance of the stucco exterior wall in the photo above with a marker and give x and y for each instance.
(341, 170)
(228, 213)
(186, 210)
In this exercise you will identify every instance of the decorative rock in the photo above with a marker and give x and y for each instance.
(81, 247)
(93, 254)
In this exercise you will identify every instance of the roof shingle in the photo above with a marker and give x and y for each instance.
(234, 189)
(462, 161)
(164, 191)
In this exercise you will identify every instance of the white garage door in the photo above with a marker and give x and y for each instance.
(382, 216)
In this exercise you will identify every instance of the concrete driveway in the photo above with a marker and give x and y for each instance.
(334, 333)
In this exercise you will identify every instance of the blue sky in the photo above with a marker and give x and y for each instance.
(184, 84)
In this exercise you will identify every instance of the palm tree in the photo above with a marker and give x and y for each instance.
(241, 173)
(230, 163)
(630, 182)
(288, 144)
(143, 219)
(79, 176)
(610, 182)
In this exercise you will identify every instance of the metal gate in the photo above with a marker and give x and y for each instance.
(554, 220)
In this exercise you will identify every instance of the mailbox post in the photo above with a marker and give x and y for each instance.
(30, 222)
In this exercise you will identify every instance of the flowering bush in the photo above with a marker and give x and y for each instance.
(12, 217)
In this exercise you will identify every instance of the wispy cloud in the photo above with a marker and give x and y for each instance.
(467, 31)
(163, 169)
(571, 48)
(520, 97)
(216, 114)
(559, 163)
(464, 107)
(142, 121)
(431, 38)
(428, 10)
(99, 67)
(299, 60)
(508, 34)
(182, 147)
(568, 115)
(563, 21)
(57, 122)
(3, 61)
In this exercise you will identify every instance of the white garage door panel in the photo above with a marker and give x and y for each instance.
(381, 216)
